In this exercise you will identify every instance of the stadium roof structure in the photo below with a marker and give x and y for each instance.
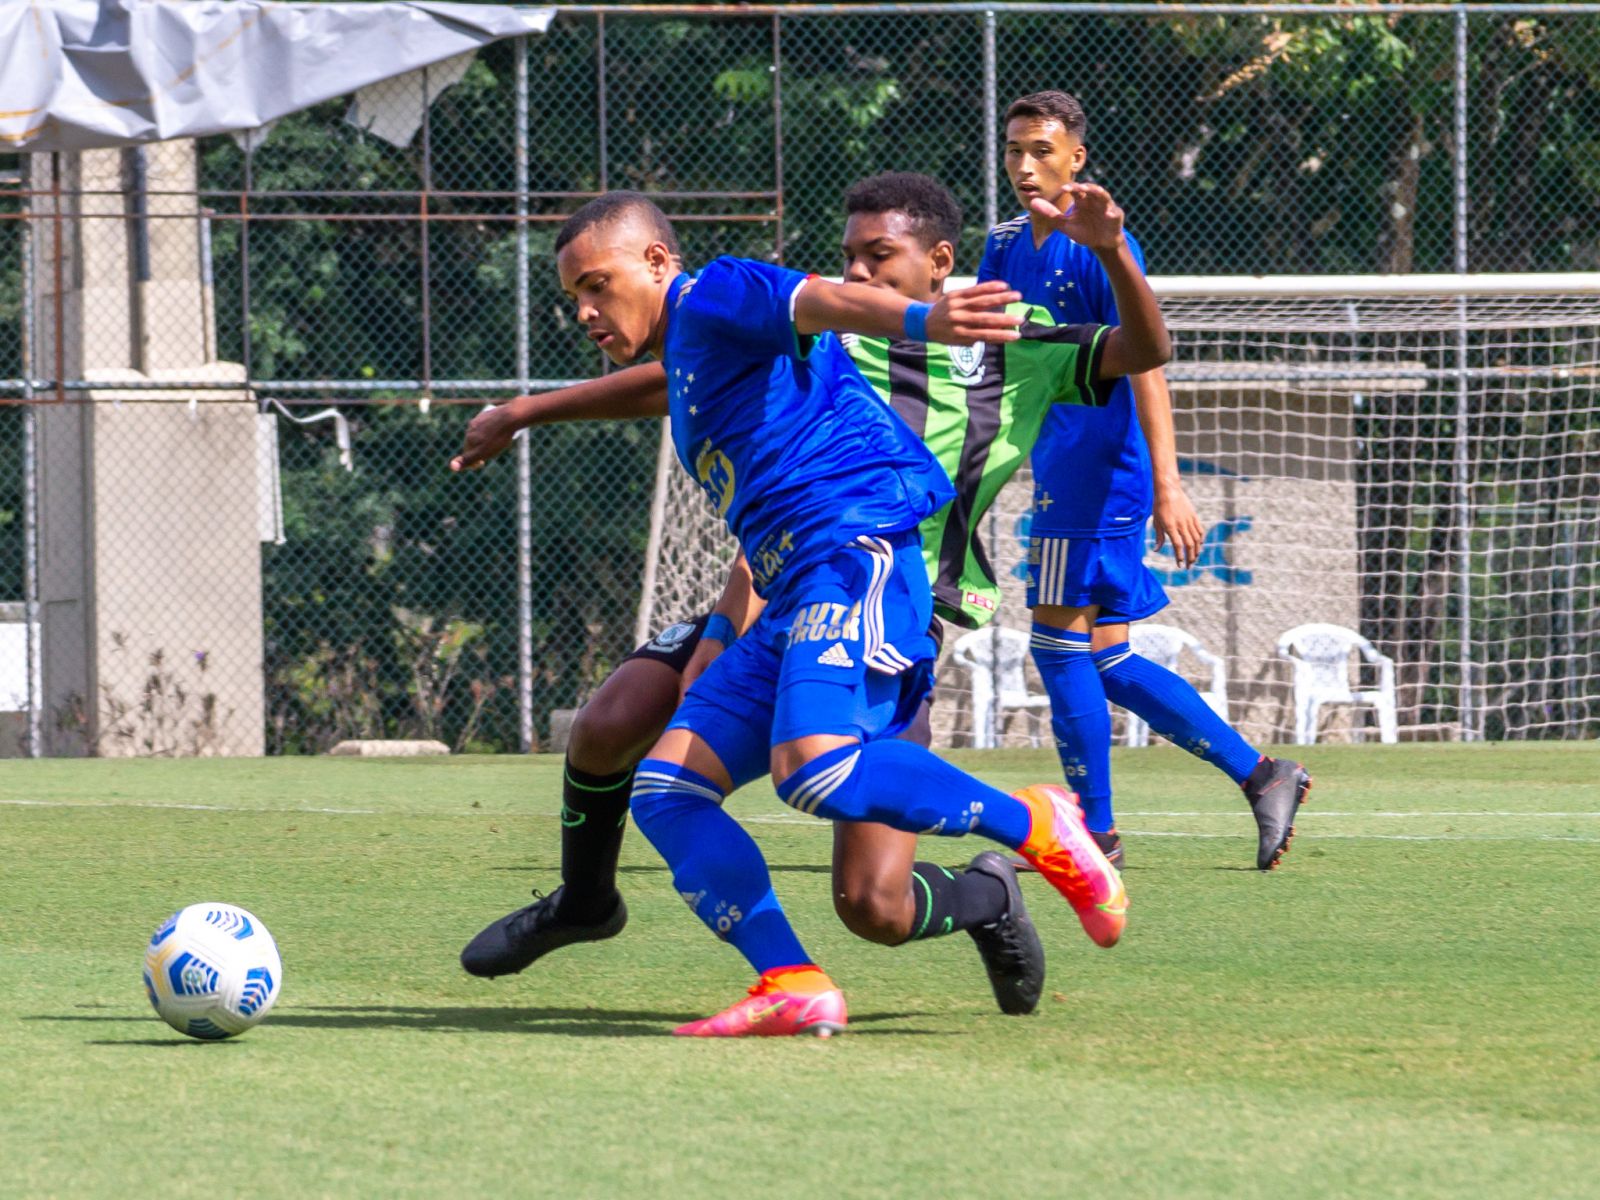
(91, 74)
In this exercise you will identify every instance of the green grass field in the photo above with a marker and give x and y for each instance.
(1408, 1008)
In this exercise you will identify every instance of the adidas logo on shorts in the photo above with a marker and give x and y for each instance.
(836, 656)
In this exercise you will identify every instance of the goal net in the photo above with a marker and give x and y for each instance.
(1413, 459)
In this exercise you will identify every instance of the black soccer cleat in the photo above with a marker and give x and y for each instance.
(519, 939)
(1275, 789)
(1110, 843)
(1010, 948)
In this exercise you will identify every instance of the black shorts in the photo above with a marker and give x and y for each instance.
(675, 645)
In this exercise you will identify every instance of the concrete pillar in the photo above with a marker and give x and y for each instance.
(150, 568)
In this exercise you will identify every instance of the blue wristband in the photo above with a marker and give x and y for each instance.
(720, 628)
(917, 322)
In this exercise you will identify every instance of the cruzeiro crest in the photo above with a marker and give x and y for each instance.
(715, 473)
(966, 363)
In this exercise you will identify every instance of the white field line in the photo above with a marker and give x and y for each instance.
(1302, 835)
(359, 812)
(1314, 813)
(813, 822)
(1322, 812)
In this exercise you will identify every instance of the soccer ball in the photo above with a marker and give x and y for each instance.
(212, 971)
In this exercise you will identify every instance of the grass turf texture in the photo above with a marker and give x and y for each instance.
(1406, 1009)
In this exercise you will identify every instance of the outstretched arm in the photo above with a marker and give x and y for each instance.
(961, 317)
(1141, 342)
(623, 395)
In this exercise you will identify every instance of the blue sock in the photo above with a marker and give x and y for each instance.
(902, 785)
(716, 868)
(1172, 707)
(1078, 717)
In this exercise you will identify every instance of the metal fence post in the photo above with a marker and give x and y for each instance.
(30, 480)
(991, 217)
(602, 116)
(991, 118)
(426, 248)
(524, 460)
(777, 126)
(1471, 719)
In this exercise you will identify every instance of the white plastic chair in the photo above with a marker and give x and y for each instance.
(1164, 645)
(1321, 658)
(976, 653)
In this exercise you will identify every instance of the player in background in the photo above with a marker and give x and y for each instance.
(824, 490)
(1098, 474)
(979, 411)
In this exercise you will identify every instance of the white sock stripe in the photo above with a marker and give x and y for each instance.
(1045, 641)
(1107, 663)
(660, 779)
(655, 782)
(813, 792)
(829, 778)
(825, 787)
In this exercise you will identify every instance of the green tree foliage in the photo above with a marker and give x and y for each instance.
(1238, 143)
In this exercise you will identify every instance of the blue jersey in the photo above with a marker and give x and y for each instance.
(1091, 466)
(791, 446)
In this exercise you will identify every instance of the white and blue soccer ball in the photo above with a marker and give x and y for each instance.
(212, 971)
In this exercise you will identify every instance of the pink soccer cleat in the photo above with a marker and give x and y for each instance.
(1062, 849)
(784, 1002)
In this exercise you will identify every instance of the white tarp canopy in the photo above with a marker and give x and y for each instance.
(83, 74)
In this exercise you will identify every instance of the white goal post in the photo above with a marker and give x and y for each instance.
(1414, 458)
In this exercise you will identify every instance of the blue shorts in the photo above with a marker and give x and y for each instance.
(848, 653)
(1107, 572)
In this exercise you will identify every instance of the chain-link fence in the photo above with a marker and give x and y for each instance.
(200, 557)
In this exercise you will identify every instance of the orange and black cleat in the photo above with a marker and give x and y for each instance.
(1062, 849)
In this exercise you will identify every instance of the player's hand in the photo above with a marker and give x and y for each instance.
(1177, 523)
(1091, 217)
(488, 434)
(975, 314)
(704, 655)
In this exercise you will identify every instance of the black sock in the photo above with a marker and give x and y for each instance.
(950, 900)
(594, 812)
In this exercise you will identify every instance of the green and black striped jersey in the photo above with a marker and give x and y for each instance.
(979, 410)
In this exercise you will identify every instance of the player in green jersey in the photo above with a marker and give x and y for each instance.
(979, 410)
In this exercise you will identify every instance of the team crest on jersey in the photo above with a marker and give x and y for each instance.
(715, 473)
(966, 362)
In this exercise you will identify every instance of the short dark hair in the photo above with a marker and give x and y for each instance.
(935, 214)
(1058, 106)
(616, 206)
